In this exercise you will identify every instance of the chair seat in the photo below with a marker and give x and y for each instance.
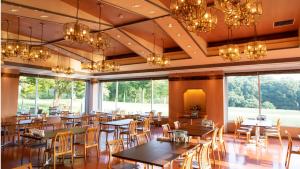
(243, 131)
(140, 128)
(124, 132)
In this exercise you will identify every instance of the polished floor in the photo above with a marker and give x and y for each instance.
(239, 156)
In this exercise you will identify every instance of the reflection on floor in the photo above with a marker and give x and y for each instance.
(239, 156)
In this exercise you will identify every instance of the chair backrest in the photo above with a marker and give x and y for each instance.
(166, 128)
(278, 124)
(146, 126)
(132, 127)
(203, 155)
(159, 116)
(142, 138)
(84, 120)
(63, 143)
(91, 136)
(214, 138)
(115, 146)
(290, 142)
(220, 134)
(25, 166)
(151, 116)
(176, 125)
(188, 161)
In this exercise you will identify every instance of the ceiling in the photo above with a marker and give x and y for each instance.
(130, 26)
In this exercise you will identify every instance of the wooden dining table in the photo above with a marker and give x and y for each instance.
(157, 153)
(117, 124)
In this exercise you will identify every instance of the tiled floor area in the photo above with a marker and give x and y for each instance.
(239, 156)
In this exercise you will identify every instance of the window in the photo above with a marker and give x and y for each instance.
(50, 92)
(161, 96)
(109, 90)
(136, 96)
(27, 91)
(273, 95)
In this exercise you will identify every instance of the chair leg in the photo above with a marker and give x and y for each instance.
(213, 155)
(84, 153)
(97, 150)
(54, 162)
(224, 148)
(279, 136)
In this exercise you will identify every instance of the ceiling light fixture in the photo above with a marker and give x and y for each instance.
(76, 31)
(99, 40)
(255, 50)
(136, 6)
(44, 16)
(230, 52)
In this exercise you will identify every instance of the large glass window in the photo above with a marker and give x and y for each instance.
(136, 96)
(109, 90)
(27, 94)
(50, 93)
(273, 95)
(161, 96)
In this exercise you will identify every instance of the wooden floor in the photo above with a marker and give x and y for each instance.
(239, 156)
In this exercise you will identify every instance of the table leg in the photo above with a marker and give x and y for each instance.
(257, 134)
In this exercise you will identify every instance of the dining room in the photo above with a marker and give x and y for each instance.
(131, 84)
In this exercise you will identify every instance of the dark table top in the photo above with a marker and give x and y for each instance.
(20, 122)
(118, 122)
(71, 117)
(259, 123)
(51, 134)
(197, 131)
(158, 153)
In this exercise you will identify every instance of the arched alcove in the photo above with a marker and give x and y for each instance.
(194, 97)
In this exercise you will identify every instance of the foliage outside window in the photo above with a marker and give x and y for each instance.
(279, 97)
(135, 96)
(51, 93)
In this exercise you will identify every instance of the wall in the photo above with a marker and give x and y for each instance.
(9, 94)
(210, 82)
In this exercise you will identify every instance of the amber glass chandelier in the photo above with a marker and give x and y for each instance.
(40, 52)
(158, 59)
(58, 68)
(206, 23)
(69, 70)
(105, 65)
(230, 52)
(76, 31)
(255, 50)
(99, 40)
(90, 65)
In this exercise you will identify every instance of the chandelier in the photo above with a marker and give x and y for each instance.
(99, 40)
(57, 68)
(255, 50)
(187, 10)
(13, 48)
(39, 52)
(69, 70)
(230, 52)
(158, 59)
(91, 65)
(240, 12)
(75, 31)
(206, 23)
(105, 65)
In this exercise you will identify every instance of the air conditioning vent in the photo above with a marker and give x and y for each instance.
(284, 23)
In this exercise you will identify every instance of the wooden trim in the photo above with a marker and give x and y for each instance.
(52, 77)
(292, 71)
(187, 78)
(281, 60)
(10, 75)
(137, 79)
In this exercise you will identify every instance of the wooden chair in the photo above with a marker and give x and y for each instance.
(25, 166)
(158, 119)
(146, 127)
(61, 145)
(106, 129)
(176, 125)
(141, 138)
(290, 150)
(274, 131)
(214, 145)
(151, 117)
(130, 133)
(188, 161)
(221, 141)
(238, 130)
(203, 155)
(115, 146)
(166, 130)
(90, 141)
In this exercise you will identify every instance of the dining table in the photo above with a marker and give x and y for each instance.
(117, 124)
(156, 153)
(251, 122)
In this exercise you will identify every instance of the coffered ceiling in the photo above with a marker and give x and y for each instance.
(130, 25)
